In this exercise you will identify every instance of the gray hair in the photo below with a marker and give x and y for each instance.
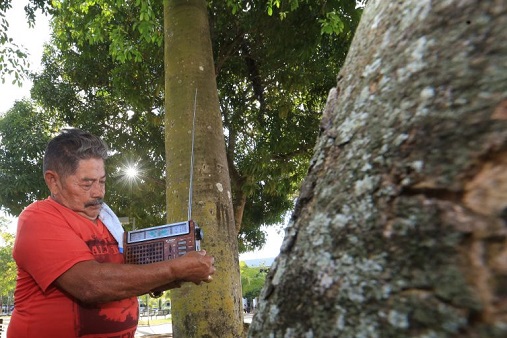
(64, 151)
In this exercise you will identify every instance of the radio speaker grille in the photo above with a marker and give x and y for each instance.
(145, 253)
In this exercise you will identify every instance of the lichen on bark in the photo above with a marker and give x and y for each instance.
(399, 229)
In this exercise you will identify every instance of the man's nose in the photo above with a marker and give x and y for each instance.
(98, 190)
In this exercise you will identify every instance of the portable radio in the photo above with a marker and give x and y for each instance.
(163, 242)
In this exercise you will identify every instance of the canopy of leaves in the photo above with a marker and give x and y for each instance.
(273, 74)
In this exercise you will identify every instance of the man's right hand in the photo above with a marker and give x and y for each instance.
(195, 267)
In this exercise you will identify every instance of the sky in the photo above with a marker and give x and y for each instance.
(271, 249)
(33, 40)
(30, 38)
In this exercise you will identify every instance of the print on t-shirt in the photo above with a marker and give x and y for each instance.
(104, 250)
(111, 317)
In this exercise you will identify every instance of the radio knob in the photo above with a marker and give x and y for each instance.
(199, 234)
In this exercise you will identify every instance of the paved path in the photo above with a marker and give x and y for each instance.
(153, 329)
(167, 328)
(141, 330)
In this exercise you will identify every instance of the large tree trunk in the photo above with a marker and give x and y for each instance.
(400, 229)
(215, 309)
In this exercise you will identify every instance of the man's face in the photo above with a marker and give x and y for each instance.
(82, 191)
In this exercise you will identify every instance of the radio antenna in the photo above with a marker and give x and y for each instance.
(190, 187)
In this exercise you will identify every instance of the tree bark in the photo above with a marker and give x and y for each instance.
(215, 309)
(400, 229)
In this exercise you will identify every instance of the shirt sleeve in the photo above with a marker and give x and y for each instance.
(48, 244)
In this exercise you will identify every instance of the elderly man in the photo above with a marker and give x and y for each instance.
(71, 278)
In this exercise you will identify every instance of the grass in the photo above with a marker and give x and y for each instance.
(143, 321)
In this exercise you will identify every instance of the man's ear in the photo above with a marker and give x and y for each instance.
(52, 181)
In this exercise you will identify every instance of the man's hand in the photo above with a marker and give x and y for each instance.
(196, 267)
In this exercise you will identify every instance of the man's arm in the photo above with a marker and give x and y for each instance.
(93, 282)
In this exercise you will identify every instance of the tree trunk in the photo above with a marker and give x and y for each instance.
(400, 229)
(215, 309)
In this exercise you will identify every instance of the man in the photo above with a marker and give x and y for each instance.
(71, 278)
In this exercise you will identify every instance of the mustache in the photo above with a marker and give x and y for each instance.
(94, 203)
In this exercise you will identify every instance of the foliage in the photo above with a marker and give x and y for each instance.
(24, 132)
(252, 279)
(13, 58)
(273, 76)
(123, 25)
(7, 264)
(338, 16)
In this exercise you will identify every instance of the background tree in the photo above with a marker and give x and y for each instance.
(252, 280)
(273, 75)
(213, 309)
(399, 229)
(24, 134)
(7, 265)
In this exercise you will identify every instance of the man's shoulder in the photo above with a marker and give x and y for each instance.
(50, 214)
(39, 205)
(45, 207)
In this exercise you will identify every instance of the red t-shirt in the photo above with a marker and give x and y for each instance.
(50, 239)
